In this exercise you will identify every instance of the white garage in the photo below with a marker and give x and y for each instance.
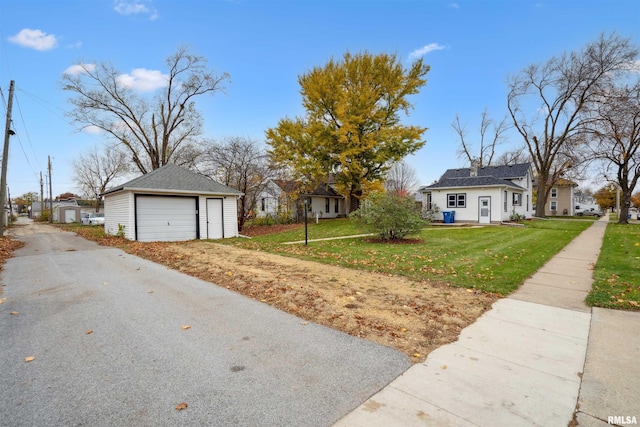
(171, 204)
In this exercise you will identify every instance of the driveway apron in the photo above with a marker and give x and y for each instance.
(119, 340)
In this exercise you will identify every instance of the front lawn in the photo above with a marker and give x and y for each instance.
(491, 259)
(617, 273)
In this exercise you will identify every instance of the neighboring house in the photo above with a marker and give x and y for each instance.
(35, 210)
(171, 203)
(282, 197)
(561, 199)
(484, 195)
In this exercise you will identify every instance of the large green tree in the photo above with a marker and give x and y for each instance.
(352, 127)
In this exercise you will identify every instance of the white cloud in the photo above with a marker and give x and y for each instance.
(419, 53)
(134, 7)
(92, 130)
(144, 80)
(635, 66)
(34, 39)
(74, 70)
(454, 6)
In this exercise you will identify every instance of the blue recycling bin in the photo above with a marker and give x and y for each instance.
(449, 216)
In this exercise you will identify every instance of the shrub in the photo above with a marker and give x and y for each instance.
(390, 216)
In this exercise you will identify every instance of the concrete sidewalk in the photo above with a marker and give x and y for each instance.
(536, 358)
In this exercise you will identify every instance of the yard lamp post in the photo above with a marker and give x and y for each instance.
(306, 232)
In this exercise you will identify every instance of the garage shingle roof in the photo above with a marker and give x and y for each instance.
(174, 178)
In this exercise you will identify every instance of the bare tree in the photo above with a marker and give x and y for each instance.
(491, 135)
(552, 129)
(239, 163)
(153, 131)
(512, 157)
(615, 132)
(96, 170)
(401, 179)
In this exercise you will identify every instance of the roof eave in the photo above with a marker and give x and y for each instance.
(171, 191)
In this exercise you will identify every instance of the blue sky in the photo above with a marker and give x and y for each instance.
(471, 46)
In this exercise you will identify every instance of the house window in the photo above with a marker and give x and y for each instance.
(517, 199)
(554, 193)
(326, 205)
(554, 207)
(505, 201)
(458, 200)
(262, 205)
(429, 203)
(337, 206)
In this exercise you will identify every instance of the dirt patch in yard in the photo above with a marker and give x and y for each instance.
(413, 317)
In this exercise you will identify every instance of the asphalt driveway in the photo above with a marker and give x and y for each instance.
(109, 335)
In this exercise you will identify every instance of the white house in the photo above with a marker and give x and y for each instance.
(171, 203)
(483, 195)
(282, 197)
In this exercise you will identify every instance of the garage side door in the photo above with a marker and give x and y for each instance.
(214, 219)
(166, 219)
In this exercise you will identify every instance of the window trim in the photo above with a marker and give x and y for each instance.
(459, 200)
(516, 199)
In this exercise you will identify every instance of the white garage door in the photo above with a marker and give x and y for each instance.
(165, 219)
(70, 216)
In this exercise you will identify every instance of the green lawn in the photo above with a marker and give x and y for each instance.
(493, 259)
(617, 273)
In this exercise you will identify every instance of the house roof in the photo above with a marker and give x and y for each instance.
(174, 178)
(325, 190)
(287, 186)
(489, 176)
(503, 172)
(322, 190)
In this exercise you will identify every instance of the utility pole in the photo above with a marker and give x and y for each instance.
(5, 160)
(10, 209)
(41, 197)
(50, 193)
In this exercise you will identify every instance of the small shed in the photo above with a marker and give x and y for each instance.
(171, 203)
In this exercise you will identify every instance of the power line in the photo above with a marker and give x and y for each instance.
(28, 139)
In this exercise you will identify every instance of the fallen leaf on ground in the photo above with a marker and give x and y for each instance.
(443, 367)
(185, 327)
(29, 359)
(416, 355)
(89, 331)
(2, 300)
(14, 312)
(181, 406)
(150, 292)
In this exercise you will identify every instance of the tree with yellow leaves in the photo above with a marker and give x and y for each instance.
(352, 126)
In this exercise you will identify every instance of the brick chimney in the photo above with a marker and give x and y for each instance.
(474, 167)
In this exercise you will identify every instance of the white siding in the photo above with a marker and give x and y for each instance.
(118, 209)
(230, 213)
(470, 212)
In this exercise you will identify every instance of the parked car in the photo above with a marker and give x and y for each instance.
(590, 212)
(93, 219)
